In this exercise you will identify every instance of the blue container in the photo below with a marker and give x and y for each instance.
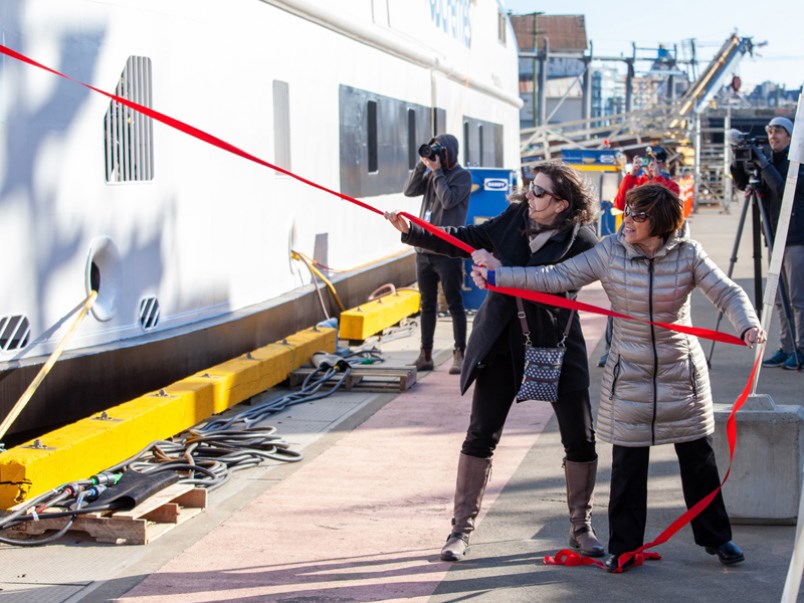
(490, 189)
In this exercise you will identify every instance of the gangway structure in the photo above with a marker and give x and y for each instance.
(697, 97)
(674, 124)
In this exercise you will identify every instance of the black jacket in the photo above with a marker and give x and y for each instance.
(771, 191)
(496, 328)
(446, 191)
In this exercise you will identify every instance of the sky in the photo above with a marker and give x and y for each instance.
(613, 26)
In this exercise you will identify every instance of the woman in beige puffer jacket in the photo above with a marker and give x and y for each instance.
(655, 389)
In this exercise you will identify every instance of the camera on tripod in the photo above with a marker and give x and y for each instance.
(745, 148)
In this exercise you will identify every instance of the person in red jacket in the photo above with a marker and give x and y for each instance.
(654, 172)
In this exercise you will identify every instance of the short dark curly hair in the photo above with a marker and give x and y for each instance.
(662, 205)
(570, 186)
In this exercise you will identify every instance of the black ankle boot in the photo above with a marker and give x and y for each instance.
(728, 553)
(613, 561)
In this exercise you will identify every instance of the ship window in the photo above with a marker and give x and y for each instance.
(501, 28)
(395, 135)
(127, 134)
(439, 121)
(149, 313)
(282, 124)
(466, 154)
(14, 332)
(412, 145)
(480, 145)
(371, 112)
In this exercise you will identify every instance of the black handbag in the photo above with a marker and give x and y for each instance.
(542, 365)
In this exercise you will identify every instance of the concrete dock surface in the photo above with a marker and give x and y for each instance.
(363, 516)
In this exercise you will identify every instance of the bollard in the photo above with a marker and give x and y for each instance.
(766, 477)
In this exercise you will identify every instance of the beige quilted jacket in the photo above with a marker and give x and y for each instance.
(655, 389)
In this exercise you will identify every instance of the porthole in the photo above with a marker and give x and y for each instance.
(104, 275)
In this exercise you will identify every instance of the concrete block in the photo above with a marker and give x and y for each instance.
(764, 486)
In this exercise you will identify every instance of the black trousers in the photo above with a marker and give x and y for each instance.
(628, 502)
(431, 268)
(495, 390)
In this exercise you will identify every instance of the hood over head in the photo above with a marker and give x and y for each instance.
(450, 144)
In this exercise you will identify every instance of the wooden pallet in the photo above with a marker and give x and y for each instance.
(366, 378)
(144, 523)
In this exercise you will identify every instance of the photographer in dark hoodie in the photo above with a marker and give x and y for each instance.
(446, 187)
(773, 175)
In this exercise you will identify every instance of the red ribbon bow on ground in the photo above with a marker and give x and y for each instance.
(571, 559)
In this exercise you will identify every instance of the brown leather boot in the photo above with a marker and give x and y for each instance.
(473, 475)
(457, 361)
(580, 488)
(425, 361)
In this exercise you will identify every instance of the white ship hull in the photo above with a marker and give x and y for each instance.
(180, 237)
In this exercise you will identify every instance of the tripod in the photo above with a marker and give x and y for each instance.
(759, 221)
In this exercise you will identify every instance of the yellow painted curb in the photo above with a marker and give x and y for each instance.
(88, 446)
(372, 317)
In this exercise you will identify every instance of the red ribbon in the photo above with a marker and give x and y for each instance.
(572, 559)
(564, 557)
(563, 302)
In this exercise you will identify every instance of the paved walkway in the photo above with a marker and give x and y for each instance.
(356, 524)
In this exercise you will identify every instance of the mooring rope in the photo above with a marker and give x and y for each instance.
(49, 364)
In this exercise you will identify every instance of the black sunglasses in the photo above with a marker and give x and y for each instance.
(636, 216)
(538, 192)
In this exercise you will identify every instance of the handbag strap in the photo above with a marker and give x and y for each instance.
(526, 331)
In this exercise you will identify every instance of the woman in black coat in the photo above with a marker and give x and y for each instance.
(547, 224)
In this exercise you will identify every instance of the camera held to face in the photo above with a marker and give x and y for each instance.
(431, 150)
(657, 154)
